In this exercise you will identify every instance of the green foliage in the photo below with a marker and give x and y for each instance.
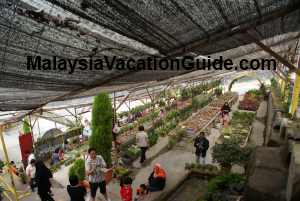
(229, 153)
(218, 91)
(172, 115)
(222, 183)
(78, 169)
(245, 118)
(274, 82)
(185, 93)
(26, 126)
(133, 151)
(2, 164)
(176, 138)
(102, 115)
(121, 171)
(153, 137)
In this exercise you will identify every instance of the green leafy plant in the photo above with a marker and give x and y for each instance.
(121, 172)
(26, 126)
(221, 184)
(133, 151)
(101, 138)
(229, 153)
(78, 169)
(185, 93)
(153, 137)
(172, 115)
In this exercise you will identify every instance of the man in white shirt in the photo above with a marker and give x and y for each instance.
(30, 172)
(142, 142)
(96, 168)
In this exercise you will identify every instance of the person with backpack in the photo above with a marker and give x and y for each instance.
(201, 144)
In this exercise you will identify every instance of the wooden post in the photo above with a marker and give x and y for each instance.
(8, 162)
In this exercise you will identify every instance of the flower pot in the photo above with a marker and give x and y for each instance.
(108, 175)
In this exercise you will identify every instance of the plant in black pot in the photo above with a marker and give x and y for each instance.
(230, 153)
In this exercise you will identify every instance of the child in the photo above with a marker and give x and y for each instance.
(76, 192)
(141, 192)
(126, 189)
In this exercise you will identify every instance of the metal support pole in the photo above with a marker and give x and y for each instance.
(8, 162)
(115, 109)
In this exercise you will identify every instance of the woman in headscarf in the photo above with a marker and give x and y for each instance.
(42, 177)
(157, 179)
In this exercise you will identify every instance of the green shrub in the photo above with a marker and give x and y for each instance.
(229, 153)
(102, 115)
(222, 183)
(172, 115)
(78, 169)
(153, 137)
(133, 151)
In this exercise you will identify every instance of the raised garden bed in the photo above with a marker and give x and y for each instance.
(204, 116)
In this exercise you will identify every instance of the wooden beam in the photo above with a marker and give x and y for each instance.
(274, 54)
(123, 101)
(149, 95)
(277, 75)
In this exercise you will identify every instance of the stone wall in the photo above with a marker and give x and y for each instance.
(267, 174)
(293, 183)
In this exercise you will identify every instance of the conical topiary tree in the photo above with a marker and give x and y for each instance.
(101, 138)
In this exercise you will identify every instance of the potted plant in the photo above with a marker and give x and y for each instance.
(229, 153)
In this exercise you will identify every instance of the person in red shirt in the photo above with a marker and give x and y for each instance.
(126, 189)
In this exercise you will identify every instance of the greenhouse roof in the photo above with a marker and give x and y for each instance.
(130, 29)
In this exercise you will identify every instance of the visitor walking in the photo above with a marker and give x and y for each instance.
(225, 110)
(55, 157)
(201, 144)
(157, 179)
(76, 191)
(142, 142)
(96, 168)
(30, 172)
(42, 178)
